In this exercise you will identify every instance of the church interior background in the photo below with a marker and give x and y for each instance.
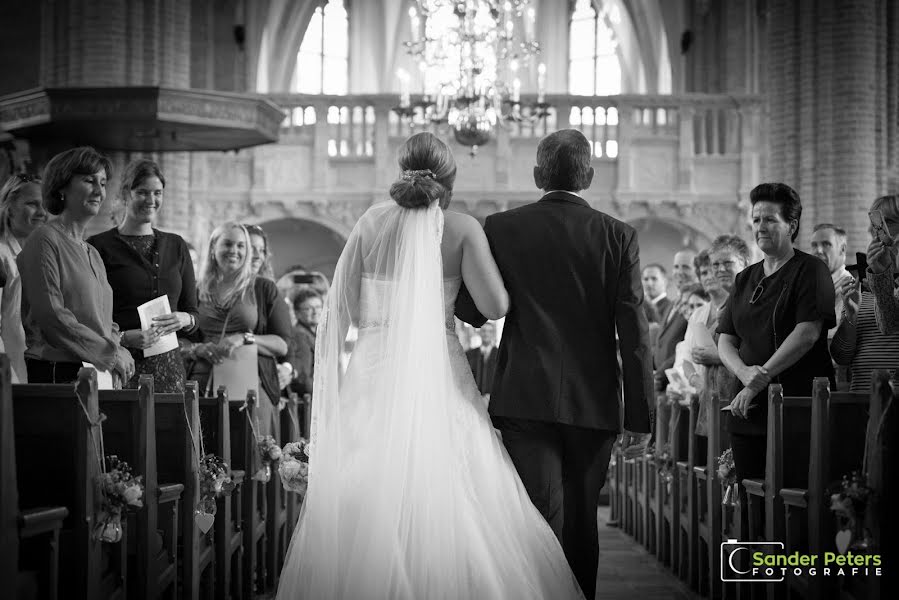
(284, 113)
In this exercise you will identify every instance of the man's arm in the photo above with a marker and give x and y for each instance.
(633, 335)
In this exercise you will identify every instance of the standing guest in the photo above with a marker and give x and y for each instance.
(774, 328)
(728, 255)
(483, 360)
(655, 286)
(829, 244)
(672, 325)
(858, 342)
(682, 271)
(21, 212)
(237, 307)
(883, 265)
(307, 306)
(261, 256)
(66, 299)
(143, 263)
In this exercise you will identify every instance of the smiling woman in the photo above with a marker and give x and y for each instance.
(143, 263)
(66, 298)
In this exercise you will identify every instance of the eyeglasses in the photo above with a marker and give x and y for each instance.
(759, 290)
(728, 265)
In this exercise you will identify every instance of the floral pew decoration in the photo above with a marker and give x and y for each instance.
(850, 502)
(120, 491)
(727, 475)
(269, 452)
(294, 467)
(215, 482)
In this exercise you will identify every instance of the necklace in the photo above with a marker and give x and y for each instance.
(68, 233)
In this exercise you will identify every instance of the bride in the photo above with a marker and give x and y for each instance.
(411, 492)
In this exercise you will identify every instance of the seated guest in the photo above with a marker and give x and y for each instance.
(307, 306)
(829, 244)
(236, 308)
(483, 360)
(774, 327)
(858, 342)
(143, 263)
(66, 300)
(883, 265)
(21, 212)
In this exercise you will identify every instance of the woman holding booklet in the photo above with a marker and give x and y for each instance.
(144, 264)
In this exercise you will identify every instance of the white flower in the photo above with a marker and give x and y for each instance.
(275, 453)
(289, 469)
(133, 495)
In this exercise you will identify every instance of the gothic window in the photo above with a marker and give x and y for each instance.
(594, 68)
(322, 62)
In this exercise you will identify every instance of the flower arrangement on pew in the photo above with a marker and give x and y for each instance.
(215, 482)
(850, 504)
(294, 466)
(727, 474)
(666, 469)
(269, 452)
(119, 491)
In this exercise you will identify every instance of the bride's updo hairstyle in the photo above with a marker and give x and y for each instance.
(428, 171)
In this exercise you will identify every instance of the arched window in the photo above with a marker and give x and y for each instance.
(594, 68)
(322, 62)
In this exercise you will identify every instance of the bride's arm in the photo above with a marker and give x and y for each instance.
(480, 273)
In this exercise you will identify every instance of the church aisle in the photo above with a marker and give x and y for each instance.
(627, 570)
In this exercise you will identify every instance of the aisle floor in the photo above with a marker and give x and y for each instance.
(628, 571)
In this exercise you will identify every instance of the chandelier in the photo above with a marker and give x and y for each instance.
(470, 55)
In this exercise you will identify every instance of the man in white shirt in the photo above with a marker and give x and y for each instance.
(829, 244)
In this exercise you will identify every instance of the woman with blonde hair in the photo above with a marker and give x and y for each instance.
(238, 307)
(21, 212)
(883, 265)
(411, 493)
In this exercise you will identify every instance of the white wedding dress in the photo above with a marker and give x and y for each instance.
(411, 493)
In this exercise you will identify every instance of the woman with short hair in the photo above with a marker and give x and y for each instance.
(774, 326)
(67, 302)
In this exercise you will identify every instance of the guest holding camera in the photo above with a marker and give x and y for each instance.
(883, 264)
(774, 327)
(66, 299)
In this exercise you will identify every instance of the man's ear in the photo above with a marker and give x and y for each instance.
(589, 178)
(538, 178)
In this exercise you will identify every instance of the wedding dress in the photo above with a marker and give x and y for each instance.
(411, 492)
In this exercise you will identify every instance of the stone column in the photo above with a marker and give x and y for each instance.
(96, 43)
(829, 85)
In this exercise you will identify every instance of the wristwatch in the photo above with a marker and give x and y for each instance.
(249, 338)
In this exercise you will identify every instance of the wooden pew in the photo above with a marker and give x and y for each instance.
(292, 427)
(245, 456)
(215, 419)
(883, 434)
(677, 447)
(32, 535)
(177, 415)
(130, 433)
(837, 445)
(58, 426)
(708, 498)
(686, 501)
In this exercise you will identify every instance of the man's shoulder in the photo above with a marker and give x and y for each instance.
(580, 212)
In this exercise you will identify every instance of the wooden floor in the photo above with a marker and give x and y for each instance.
(627, 570)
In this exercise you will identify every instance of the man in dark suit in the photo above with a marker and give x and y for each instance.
(573, 277)
(483, 360)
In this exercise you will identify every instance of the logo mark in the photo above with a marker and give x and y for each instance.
(738, 562)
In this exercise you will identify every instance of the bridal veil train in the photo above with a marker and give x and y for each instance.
(411, 492)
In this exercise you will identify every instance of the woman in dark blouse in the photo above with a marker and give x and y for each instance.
(143, 263)
(773, 328)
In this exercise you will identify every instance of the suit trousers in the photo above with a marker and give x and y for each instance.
(563, 468)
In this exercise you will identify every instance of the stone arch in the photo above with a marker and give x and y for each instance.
(660, 238)
(311, 243)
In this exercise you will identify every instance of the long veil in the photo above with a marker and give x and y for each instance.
(411, 494)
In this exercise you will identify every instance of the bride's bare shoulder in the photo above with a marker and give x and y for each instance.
(459, 223)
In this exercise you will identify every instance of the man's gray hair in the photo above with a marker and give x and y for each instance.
(563, 159)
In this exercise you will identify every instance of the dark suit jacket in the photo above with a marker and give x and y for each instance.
(482, 369)
(663, 352)
(661, 309)
(573, 276)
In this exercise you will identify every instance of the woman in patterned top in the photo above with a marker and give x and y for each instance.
(883, 265)
(143, 263)
(858, 342)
